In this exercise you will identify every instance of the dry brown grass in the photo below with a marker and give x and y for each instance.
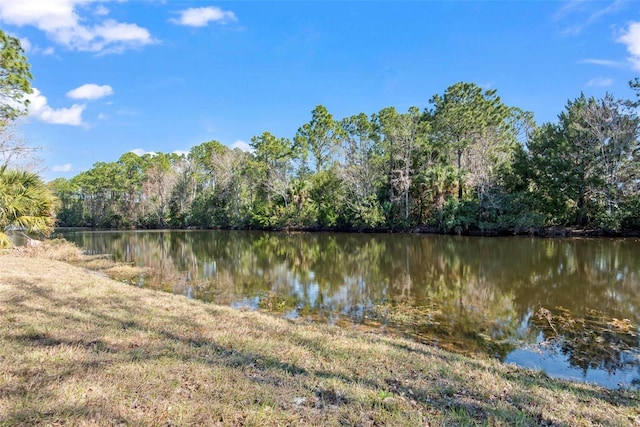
(56, 249)
(79, 349)
(62, 250)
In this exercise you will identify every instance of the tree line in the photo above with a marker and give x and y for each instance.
(468, 163)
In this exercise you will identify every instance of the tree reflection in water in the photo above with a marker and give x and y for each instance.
(594, 341)
(478, 295)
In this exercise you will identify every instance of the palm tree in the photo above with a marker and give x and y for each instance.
(26, 204)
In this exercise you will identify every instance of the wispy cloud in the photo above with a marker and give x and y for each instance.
(101, 11)
(90, 91)
(202, 16)
(600, 82)
(631, 38)
(567, 8)
(577, 15)
(31, 49)
(603, 62)
(62, 168)
(61, 21)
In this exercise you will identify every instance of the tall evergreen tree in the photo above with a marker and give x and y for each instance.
(15, 79)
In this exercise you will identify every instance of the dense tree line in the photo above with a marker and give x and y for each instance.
(467, 163)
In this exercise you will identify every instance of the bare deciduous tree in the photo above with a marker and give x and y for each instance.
(16, 152)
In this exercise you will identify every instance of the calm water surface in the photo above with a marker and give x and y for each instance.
(568, 306)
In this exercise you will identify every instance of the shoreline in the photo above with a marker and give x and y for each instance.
(543, 232)
(79, 348)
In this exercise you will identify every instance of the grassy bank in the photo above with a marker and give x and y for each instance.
(77, 348)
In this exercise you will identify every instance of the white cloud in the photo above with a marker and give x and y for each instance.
(603, 62)
(47, 15)
(39, 108)
(129, 113)
(33, 49)
(600, 82)
(117, 36)
(202, 16)
(242, 146)
(567, 8)
(181, 152)
(61, 21)
(631, 39)
(90, 91)
(584, 14)
(141, 152)
(61, 168)
(25, 43)
(101, 11)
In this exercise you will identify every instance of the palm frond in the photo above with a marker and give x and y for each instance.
(25, 203)
(5, 242)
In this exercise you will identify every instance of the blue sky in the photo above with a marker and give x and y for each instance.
(145, 75)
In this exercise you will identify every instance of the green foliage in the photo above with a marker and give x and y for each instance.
(458, 216)
(367, 215)
(26, 204)
(70, 210)
(204, 212)
(327, 193)
(271, 216)
(402, 136)
(580, 171)
(547, 166)
(469, 164)
(635, 85)
(470, 127)
(101, 192)
(629, 218)
(15, 79)
(320, 137)
(272, 167)
(362, 172)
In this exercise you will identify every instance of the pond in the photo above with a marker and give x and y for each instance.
(570, 307)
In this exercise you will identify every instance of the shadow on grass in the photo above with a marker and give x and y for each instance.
(61, 415)
(450, 395)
